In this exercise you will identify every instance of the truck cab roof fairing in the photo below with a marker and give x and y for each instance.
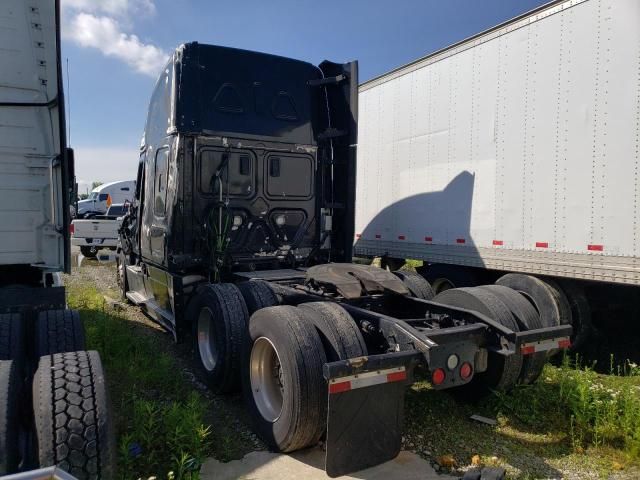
(230, 91)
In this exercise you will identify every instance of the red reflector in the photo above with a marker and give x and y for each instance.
(401, 237)
(339, 387)
(596, 248)
(72, 229)
(358, 235)
(564, 343)
(378, 235)
(542, 245)
(460, 240)
(498, 243)
(528, 350)
(438, 376)
(465, 370)
(428, 239)
(396, 376)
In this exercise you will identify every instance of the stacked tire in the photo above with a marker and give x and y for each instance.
(64, 419)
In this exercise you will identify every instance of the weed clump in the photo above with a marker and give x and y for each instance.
(159, 418)
(604, 410)
(601, 410)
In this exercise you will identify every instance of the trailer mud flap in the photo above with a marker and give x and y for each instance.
(365, 413)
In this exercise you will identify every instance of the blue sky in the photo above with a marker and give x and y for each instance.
(116, 48)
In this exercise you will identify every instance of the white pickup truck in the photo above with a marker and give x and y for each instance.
(99, 232)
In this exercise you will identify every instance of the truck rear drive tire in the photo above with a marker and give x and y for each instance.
(219, 321)
(528, 319)
(257, 294)
(552, 309)
(12, 345)
(74, 429)
(418, 286)
(339, 333)
(9, 416)
(283, 383)
(502, 372)
(89, 252)
(58, 331)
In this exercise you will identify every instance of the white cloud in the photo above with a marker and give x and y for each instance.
(105, 34)
(111, 7)
(104, 164)
(106, 25)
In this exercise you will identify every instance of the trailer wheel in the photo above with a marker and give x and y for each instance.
(528, 319)
(89, 252)
(12, 337)
(443, 277)
(58, 331)
(257, 294)
(580, 313)
(417, 284)
(545, 295)
(392, 263)
(9, 416)
(339, 333)
(74, 429)
(283, 383)
(502, 372)
(219, 320)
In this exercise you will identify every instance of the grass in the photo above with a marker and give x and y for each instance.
(572, 420)
(160, 419)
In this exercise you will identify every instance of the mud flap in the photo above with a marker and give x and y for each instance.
(365, 413)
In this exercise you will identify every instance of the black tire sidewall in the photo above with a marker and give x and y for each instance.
(10, 393)
(297, 362)
(230, 340)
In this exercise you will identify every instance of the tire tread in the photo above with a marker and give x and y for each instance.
(72, 418)
(59, 331)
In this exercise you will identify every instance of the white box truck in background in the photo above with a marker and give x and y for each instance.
(101, 198)
(516, 150)
(53, 404)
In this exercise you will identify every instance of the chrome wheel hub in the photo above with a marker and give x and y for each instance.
(267, 382)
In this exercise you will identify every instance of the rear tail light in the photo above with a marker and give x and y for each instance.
(438, 376)
(466, 370)
(564, 343)
(72, 229)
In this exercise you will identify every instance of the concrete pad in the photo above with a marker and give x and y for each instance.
(309, 465)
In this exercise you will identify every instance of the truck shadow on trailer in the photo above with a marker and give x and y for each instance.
(433, 226)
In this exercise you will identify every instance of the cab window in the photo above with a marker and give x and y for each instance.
(160, 186)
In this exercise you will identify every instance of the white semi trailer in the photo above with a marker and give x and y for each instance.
(53, 404)
(516, 150)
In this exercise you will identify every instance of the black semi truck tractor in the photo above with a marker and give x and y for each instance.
(240, 239)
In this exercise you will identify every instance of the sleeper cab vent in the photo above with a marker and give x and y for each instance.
(228, 99)
(284, 108)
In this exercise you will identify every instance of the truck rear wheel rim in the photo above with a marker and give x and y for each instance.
(206, 341)
(267, 385)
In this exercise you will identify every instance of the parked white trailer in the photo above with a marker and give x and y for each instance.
(516, 150)
(66, 421)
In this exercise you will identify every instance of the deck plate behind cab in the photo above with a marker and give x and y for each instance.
(352, 280)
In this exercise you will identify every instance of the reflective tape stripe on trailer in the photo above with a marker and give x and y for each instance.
(545, 345)
(367, 379)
